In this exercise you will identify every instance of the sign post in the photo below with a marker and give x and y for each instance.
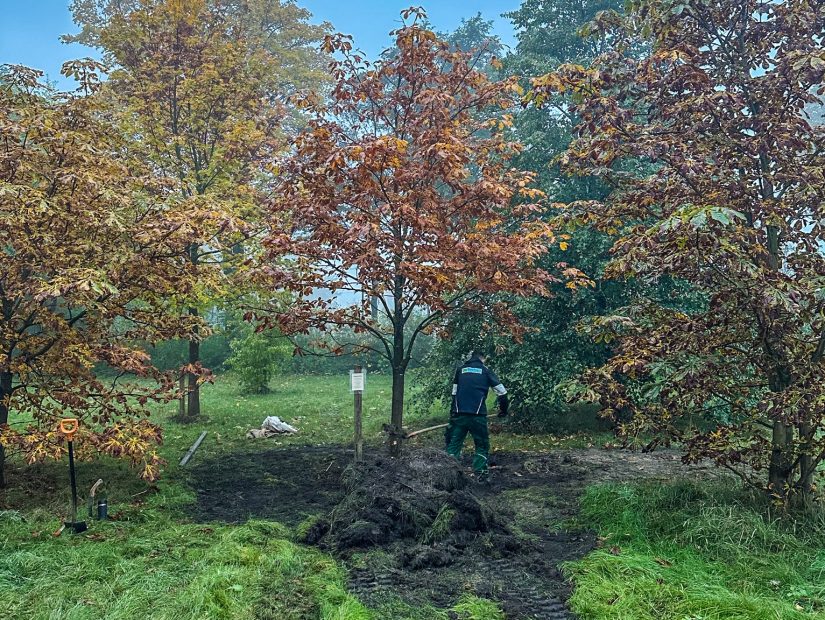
(357, 386)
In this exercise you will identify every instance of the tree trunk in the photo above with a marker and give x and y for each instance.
(5, 394)
(399, 364)
(804, 496)
(193, 409)
(779, 471)
(396, 418)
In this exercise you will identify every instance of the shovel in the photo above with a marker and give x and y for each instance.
(69, 427)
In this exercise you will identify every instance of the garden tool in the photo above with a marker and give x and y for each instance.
(90, 501)
(69, 427)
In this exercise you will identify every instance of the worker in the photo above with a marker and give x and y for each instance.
(468, 413)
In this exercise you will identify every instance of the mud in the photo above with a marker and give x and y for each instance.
(422, 528)
(286, 485)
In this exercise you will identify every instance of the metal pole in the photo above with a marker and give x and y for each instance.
(359, 440)
(74, 483)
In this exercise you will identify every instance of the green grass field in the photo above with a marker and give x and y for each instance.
(671, 552)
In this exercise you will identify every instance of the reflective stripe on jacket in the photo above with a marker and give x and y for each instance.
(471, 384)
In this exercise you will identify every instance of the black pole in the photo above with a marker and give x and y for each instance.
(74, 483)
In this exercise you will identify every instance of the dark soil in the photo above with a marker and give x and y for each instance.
(421, 527)
(286, 485)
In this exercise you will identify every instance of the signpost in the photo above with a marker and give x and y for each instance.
(356, 378)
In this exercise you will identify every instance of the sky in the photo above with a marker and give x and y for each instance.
(30, 29)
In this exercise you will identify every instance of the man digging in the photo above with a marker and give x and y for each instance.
(468, 413)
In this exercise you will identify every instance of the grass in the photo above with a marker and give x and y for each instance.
(686, 551)
(678, 551)
(153, 562)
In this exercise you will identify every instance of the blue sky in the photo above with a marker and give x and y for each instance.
(30, 29)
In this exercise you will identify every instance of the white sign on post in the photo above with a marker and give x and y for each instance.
(357, 380)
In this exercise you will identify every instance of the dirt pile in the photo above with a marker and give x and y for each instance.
(421, 527)
(424, 499)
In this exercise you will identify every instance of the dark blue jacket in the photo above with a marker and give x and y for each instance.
(471, 384)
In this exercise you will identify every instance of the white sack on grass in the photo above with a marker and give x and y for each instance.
(272, 425)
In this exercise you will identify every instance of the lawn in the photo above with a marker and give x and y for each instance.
(670, 551)
(153, 561)
(696, 551)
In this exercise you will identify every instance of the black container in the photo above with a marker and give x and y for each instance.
(102, 510)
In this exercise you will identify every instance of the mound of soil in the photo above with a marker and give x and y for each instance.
(440, 533)
(421, 496)
(421, 527)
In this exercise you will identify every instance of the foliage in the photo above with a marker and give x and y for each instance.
(689, 550)
(202, 85)
(256, 356)
(552, 350)
(87, 262)
(730, 204)
(411, 206)
(172, 354)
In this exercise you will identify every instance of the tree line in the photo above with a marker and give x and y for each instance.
(627, 207)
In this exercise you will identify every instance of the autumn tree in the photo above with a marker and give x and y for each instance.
(88, 260)
(728, 198)
(398, 191)
(202, 85)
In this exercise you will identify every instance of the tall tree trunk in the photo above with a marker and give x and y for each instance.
(780, 469)
(5, 394)
(193, 409)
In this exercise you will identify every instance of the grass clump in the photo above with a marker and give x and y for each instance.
(167, 569)
(691, 551)
(474, 608)
(440, 527)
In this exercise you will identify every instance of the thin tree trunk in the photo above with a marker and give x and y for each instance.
(399, 364)
(193, 409)
(805, 485)
(5, 393)
(780, 467)
(396, 418)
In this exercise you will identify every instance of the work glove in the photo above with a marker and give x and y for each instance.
(503, 406)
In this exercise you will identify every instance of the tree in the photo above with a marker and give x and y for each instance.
(88, 260)
(202, 84)
(412, 203)
(552, 351)
(256, 355)
(731, 204)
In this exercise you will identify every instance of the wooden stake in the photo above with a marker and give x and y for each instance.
(358, 439)
(194, 447)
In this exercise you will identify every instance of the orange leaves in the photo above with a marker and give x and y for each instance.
(414, 201)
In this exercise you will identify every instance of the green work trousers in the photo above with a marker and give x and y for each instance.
(476, 425)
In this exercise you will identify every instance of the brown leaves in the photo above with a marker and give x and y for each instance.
(402, 191)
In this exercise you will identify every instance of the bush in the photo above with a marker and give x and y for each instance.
(256, 357)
